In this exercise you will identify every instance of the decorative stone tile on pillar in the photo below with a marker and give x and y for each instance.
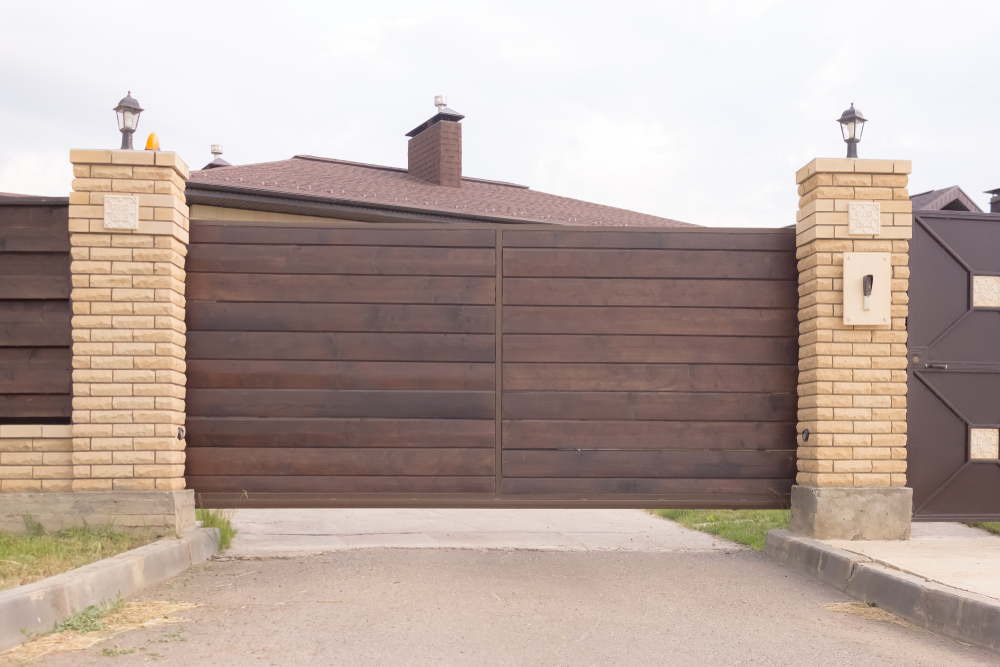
(128, 226)
(852, 378)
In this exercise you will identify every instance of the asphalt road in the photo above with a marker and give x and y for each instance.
(381, 606)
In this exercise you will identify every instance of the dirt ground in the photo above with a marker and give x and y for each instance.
(380, 606)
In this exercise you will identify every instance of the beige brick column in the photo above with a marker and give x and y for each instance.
(852, 378)
(128, 319)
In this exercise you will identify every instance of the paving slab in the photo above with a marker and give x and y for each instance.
(951, 554)
(298, 532)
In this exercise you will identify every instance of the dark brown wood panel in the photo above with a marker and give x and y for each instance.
(25, 407)
(257, 287)
(725, 489)
(646, 464)
(644, 406)
(615, 263)
(385, 375)
(409, 461)
(36, 287)
(341, 346)
(25, 323)
(566, 434)
(340, 317)
(650, 321)
(306, 484)
(34, 229)
(401, 235)
(649, 349)
(649, 292)
(35, 329)
(314, 403)
(715, 239)
(345, 363)
(357, 260)
(649, 377)
(343, 433)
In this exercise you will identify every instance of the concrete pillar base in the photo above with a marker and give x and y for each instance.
(159, 512)
(852, 513)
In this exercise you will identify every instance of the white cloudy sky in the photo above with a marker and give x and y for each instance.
(699, 111)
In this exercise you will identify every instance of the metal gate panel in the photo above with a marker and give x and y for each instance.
(954, 367)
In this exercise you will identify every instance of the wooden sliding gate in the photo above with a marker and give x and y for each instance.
(407, 366)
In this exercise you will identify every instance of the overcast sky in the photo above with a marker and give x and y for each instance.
(698, 111)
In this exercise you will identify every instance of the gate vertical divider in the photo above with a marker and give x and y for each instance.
(498, 372)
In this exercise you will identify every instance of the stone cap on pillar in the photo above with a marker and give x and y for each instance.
(132, 158)
(856, 165)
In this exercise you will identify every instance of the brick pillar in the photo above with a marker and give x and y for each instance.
(852, 377)
(128, 226)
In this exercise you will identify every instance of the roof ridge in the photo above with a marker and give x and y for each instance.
(368, 165)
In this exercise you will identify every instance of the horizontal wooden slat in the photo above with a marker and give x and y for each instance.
(635, 405)
(358, 260)
(649, 377)
(400, 236)
(35, 287)
(26, 370)
(716, 239)
(314, 403)
(731, 489)
(346, 317)
(33, 264)
(295, 433)
(648, 435)
(35, 323)
(341, 346)
(651, 321)
(26, 406)
(407, 461)
(317, 484)
(648, 464)
(32, 359)
(650, 292)
(262, 374)
(34, 229)
(615, 263)
(339, 289)
(649, 349)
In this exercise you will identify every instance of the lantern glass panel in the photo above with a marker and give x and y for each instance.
(850, 129)
(128, 118)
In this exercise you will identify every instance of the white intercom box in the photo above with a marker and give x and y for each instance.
(867, 288)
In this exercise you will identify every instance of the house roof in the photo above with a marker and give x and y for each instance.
(312, 185)
(945, 199)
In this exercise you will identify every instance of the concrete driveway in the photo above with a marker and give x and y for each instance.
(528, 588)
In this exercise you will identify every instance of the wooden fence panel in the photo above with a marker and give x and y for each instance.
(35, 334)
(654, 363)
(341, 361)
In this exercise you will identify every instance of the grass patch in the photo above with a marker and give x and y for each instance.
(81, 630)
(988, 526)
(221, 519)
(36, 555)
(744, 526)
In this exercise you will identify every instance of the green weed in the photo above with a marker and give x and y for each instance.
(744, 526)
(221, 519)
(89, 619)
(989, 526)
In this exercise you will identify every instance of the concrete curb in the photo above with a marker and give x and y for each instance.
(967, 617)
(39, 606)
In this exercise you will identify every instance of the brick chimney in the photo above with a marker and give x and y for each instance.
(435, 148)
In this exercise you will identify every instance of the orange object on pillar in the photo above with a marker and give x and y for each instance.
(153, 143)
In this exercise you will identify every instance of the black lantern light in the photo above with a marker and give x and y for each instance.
(852, 124)
(128, 111)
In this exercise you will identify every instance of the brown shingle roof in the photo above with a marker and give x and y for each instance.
(339, 181)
